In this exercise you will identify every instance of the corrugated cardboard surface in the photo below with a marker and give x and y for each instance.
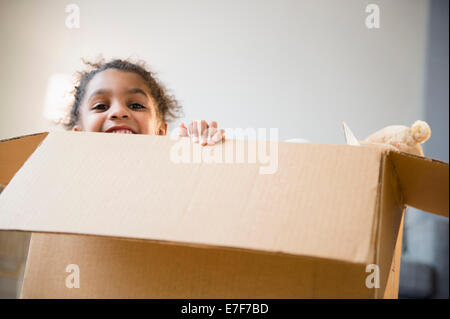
(213, 230)
(14, 245)
(14, 152)
(114, 268)
(317, 204)
(424, 182)
(393, 283)
(389, 230)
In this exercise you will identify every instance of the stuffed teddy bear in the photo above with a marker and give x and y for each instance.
(402, 138)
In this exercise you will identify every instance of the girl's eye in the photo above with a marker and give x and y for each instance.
(101, 107)
(137, 106)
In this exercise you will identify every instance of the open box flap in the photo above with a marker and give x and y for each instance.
(320, 202)
(423, 182)
(14, 152)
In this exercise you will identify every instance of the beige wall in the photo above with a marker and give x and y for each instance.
(301, 66)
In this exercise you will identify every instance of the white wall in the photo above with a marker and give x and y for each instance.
(301, 66)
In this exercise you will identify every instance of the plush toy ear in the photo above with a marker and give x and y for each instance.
(420, 131)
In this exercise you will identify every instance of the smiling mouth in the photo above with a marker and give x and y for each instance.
(121, 131)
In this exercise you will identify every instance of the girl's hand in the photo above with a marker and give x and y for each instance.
(201, 131)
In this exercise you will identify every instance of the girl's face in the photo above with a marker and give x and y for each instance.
(119, 101)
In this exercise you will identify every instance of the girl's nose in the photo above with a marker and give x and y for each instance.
(119, 111)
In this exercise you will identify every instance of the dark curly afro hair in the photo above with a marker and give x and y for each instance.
(168, 108)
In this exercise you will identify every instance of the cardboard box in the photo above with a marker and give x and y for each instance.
(115, 216)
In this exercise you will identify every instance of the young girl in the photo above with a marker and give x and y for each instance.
(124, 97)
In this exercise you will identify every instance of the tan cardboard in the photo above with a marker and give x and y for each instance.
(423, 182)
(14, 245)
(113, 268)
(161, 229)
(14, 152)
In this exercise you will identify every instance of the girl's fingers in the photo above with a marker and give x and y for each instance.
(197, 130)
(214, 124)
(193, 132)
(211, 131)
(200, 131)
(183, 131)
(218, 136)
(204, 132)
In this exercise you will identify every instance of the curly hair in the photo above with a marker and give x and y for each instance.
(168, 108)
